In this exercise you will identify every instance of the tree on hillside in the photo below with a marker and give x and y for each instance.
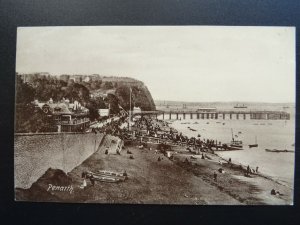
(24, 92)
(93, 105)
(140, 97)
(114, 103)
(94, 85)
(123, 93)
(108, 85)
(93, 110)
(79, 92)
(30, 119)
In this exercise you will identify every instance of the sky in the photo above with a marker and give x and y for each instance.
(180, 63)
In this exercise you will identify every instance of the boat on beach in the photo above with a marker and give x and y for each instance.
(107, 176)
(193, 157)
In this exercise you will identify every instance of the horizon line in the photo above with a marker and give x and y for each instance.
(220, 101)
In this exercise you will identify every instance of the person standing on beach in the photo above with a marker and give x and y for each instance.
(248, 170)
(92, 180)
(256, 169)
(215, 176)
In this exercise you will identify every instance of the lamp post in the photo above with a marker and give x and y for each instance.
(129, 119)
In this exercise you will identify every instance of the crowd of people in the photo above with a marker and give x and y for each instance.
(159, 129)
(114, 127)
(147, 126)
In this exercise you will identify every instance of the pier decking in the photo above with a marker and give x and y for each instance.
(221, 114)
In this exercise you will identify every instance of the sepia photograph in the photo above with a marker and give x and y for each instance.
(176, 115)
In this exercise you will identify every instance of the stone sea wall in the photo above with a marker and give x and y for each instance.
(35, 153)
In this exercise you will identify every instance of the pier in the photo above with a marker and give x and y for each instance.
(222, 114)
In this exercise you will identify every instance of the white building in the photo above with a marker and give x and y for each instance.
(136, 110)
(103, 112)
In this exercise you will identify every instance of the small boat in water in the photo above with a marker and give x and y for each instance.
(254, 145)
(235, 144)
(225, 147)
(278, 150)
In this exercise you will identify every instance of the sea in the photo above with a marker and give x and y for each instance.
(269, 134)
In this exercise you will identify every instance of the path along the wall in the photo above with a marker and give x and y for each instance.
(35, 153)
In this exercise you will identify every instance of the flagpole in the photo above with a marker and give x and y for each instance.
(129, 121)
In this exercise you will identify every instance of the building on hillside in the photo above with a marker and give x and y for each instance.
(31, 77)
(136, 110)
(64, 77)
(76, 78)
(86, 79)
(68, 117)
(123, 112)
(95, 77)
(104, 112)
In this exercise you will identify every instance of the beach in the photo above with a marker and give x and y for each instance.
(154, 178)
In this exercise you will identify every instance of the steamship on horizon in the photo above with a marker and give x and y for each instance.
(237, 106)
